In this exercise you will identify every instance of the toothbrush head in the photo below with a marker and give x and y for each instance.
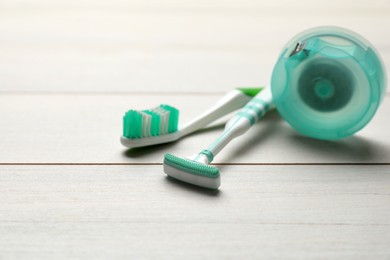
(152, 122)
(192, 172)
(148, 127)
(328, 82)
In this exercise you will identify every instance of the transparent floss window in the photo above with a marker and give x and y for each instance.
(328, 82)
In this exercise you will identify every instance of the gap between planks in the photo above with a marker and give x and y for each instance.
(121, 93)
(160, 164)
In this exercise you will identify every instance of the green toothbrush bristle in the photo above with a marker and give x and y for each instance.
(161, 120)
(132, 124)
(190, 166)
(155, 124)
(173, 117)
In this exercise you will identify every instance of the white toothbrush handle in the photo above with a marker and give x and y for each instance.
(241, 122)
(232, 101)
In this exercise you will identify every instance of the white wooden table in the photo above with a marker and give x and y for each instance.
(69, 190)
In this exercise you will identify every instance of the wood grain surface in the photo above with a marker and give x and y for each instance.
(136, 212)
(69, 190)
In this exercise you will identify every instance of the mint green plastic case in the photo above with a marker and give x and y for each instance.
(328, 82)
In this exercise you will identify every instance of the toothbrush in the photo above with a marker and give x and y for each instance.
(196, 169)
(160, 125)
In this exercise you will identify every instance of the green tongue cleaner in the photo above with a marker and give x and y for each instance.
(328, 82)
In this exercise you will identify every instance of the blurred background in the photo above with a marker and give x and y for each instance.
(163, 46)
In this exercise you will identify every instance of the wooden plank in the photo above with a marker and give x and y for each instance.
(150, 5)
(85, 128)
(118, 212)
(82, 49)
